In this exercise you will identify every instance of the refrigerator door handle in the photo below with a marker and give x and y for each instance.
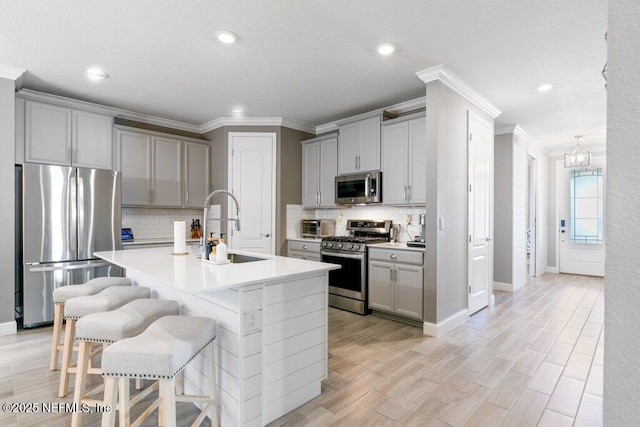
(50, 267)
(73, 213)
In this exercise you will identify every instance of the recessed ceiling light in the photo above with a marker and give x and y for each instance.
(96, 74)
(237, 112)
(226, 37)
(386, 48)
(545, 87)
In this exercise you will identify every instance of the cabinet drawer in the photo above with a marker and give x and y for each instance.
(296, 245)
(405, 257)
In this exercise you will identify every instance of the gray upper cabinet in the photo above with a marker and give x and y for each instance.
(319, 168)
(404, 156)
(134, 161)
(359, 146)
(63, 136)
(161, 170)
(196, 173)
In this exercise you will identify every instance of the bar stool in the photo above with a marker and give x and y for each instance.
(64, 293)
(106, 328)
(75, 308)
(160, 353)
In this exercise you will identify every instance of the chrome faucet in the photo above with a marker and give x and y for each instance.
(207, 202)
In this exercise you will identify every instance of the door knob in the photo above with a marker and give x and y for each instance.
(265, 235)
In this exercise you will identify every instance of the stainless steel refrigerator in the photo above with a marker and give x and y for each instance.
(68, 214)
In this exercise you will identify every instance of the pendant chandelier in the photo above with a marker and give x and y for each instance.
(577, 158)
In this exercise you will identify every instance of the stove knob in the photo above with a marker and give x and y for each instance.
(330, 244)
(340, 245)
(350, 246)
(357, 247)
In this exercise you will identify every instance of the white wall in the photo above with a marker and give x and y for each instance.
(622, 316)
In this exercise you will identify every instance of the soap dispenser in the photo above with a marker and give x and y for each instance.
(221, 251)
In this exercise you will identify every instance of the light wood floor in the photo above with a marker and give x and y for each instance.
(533, 359)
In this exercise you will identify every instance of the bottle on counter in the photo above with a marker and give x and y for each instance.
(210, 245)
(221, 250)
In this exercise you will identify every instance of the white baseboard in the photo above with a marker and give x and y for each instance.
(553, 270)
(446, 325)
(8, 328)
(504, 287)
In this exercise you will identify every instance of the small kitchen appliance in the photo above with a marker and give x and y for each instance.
(419, 241)
(348, 287)
(318, 228)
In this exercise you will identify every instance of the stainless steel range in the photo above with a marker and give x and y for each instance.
(348, 285)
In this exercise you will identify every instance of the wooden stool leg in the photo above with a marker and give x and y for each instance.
(213, 386)
(58, 319)
(81, 381)
(124, 405)
(69, 334)
(110, 398)
(168, 393)
(180, 383)
(139, 384)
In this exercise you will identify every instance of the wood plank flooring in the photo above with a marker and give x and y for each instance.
(533, 359)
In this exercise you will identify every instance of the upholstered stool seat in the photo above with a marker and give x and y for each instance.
(160, 353)
(109, 327)
(64, 293)
(109, 299)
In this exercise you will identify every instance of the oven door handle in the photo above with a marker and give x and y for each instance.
(342, 255)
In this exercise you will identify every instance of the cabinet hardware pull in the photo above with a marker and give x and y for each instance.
(391, 275)
(265, 234)
(408, 193)
(394, 256)
(304, 246)
(395, 275)
(319, 198)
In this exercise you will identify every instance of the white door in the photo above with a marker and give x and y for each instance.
(480, 256)
(252, 181)
(581, 218)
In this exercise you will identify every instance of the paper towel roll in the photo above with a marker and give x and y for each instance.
(179, 236)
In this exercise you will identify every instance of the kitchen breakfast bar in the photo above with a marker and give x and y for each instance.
(271, 343)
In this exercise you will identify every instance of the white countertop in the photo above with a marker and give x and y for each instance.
(157, 241)
(402, 246)
(190, 274)
(305, 239)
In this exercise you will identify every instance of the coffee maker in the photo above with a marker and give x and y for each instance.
(419, 240)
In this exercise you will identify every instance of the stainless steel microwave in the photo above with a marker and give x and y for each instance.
(359, 189)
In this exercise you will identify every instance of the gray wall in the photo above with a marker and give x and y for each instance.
(503, 208)
(7, 198)
(622, 316)
(446, 163)
(288, 170)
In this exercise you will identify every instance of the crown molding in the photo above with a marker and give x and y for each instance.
(11, 73)
(108, 111)
(394, 110)
(255, 121)
(448, 77)
(518, 131)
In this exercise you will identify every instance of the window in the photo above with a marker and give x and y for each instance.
(587, 205)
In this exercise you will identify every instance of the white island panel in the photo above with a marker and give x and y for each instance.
(263, 372)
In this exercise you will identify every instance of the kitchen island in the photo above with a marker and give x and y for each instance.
(271, 344)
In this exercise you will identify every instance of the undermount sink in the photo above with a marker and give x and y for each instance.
(237, 258)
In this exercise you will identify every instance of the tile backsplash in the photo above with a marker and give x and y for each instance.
(148, 223)
(396, 214)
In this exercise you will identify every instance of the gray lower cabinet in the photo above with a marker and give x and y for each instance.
(309, 250)
(396, 282)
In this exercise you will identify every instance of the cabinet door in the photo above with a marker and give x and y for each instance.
(369, 144)
(394, 163)
(47, 134)
(196, 174)
(167, 172)
(92, 140)
(381, 286)
(328, 171)
(295, 254)
(408, 294)
(134, 161)
(417, 174)
(348, 149)
(310, 174)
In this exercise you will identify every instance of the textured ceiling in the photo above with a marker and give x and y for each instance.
(314, 62)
